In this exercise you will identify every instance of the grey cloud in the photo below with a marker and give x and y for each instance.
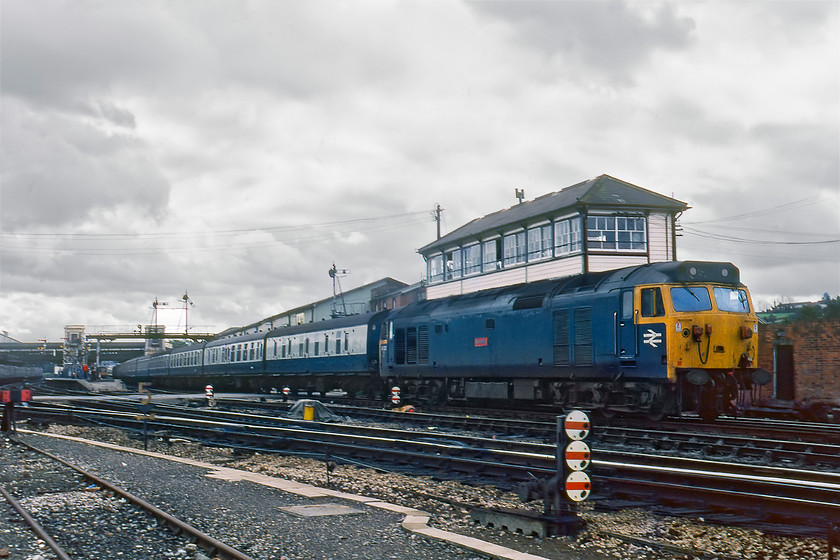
(88, 170)
(804, 155)
(51, 56)
(683, 117)
(603, 35)
(116, 115)
(290, 48)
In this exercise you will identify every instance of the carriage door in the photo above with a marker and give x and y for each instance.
(626, 330)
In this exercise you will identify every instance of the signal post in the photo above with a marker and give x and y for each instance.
(573, 456)
(570, 485)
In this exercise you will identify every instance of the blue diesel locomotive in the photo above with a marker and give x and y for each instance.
(661, 338)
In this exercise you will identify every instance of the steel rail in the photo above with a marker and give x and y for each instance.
(232, 420)
(519, 465)
(299, 430)
(202, 539)
(36, 527)
(729, 437)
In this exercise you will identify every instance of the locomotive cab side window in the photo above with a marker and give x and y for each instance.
(652, 305)
(627, 305)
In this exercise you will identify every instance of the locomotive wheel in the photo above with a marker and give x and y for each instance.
(661, 407)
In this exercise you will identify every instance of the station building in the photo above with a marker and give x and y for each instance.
(600, 224)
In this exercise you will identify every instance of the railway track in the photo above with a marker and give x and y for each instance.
(778, 499)
(77, 514)
(795, 444)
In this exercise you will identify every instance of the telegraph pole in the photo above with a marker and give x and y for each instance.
(438, 210)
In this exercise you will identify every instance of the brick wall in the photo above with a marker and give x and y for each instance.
(816, 356)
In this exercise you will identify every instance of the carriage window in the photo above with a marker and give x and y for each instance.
(316, 347)
(652, 305)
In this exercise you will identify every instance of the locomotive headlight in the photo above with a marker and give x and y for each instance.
(746, 332)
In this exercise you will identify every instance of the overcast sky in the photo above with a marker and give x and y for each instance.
(236, 149)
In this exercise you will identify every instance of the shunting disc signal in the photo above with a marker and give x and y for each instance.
(578, 486)
(578, 455)
(577, 425)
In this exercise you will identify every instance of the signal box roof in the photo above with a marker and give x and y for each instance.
(601, 193)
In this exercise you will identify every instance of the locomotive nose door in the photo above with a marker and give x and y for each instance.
(626, 330)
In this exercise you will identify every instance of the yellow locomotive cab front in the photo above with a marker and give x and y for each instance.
(711, 333)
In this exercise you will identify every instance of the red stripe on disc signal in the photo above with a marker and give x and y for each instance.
(578, 486)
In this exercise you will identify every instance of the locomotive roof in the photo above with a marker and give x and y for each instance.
(682, 271)
(601, 192)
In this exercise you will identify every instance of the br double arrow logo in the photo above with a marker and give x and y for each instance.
(653, 338)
